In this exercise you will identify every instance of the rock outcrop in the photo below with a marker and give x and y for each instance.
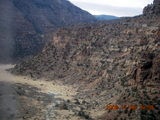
(152, 9)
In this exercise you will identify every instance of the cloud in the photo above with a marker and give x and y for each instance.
(117, 3)
(122, 8)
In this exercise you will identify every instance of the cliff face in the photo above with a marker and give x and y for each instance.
(118, 61)
(23, 23)
(115, 63)
(153, 9)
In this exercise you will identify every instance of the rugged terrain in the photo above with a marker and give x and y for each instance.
(24, 24)
(116, 63)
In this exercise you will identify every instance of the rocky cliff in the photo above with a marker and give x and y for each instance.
(23, 24)
(115, 63)
(107, 60)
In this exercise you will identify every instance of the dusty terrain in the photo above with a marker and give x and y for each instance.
(23, 98)
(8, 103)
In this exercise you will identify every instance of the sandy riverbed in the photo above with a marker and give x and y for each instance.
(13, 105)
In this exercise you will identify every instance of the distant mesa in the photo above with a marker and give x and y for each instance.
(105, 17)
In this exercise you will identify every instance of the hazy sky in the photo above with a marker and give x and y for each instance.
(113, 7)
